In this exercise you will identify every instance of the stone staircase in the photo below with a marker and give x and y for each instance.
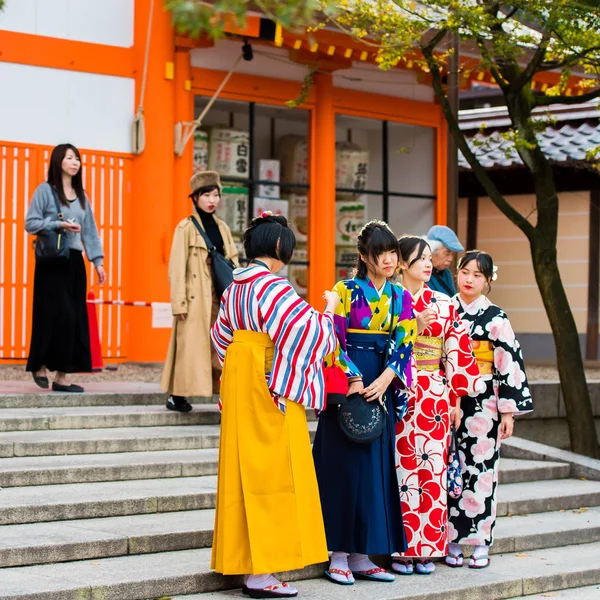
(110, 496)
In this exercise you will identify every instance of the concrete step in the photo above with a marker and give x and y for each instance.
(96, 417)
(35, 504)
(590, 592)
(41, 543)
(187, 572)
(88, 500)
(102, 441)
(514, 470)
(25, 394)
(545, 496)
(87, 468)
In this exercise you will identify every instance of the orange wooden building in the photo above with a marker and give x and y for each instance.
(76, 74)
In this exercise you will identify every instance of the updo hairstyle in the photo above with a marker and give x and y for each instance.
(374, 239)
(262, 235)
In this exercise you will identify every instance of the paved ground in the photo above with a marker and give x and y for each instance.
(151, 373)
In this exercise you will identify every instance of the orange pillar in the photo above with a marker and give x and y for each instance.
(441, 179)
(321, 239)
(152, 194)
(184, 112)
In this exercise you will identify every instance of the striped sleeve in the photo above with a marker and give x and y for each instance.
(221, 332)
(302, 338)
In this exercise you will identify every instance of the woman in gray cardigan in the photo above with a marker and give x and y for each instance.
(60, 339)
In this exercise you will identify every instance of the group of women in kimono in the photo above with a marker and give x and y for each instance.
(429, 360)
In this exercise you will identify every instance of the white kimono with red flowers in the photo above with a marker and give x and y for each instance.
(422, 434)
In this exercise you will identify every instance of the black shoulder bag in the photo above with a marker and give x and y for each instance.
(51, 245)
(363, 421)
(221, 268)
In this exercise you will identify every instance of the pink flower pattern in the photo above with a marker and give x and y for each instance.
(473, 516)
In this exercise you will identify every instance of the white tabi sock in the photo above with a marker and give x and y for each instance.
(339, 560)
(454, 549)
(260, 582)
(481, 552)
(360, 562)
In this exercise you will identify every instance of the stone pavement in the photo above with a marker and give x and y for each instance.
(107, 495)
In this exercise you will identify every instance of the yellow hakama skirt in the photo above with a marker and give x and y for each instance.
(268, 516)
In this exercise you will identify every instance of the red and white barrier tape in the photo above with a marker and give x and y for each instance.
(119, 302)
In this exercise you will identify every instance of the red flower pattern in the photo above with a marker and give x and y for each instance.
(422, 436)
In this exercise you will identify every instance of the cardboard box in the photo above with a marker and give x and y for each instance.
(298, 211)
(298, 274)
(351, 167)
(350, 218)
(268, 170)
(277, 207)
(200, 151)
(228, 152)
(233, 208)
(292, 150)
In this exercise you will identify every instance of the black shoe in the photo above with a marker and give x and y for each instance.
(178, 403)
(72, 388)
(41, 381)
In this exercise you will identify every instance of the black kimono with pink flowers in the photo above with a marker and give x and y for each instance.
(472, 517)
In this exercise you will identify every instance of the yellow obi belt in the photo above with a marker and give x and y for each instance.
(428, 353)
(484, 355)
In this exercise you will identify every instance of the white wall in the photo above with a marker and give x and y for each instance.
(52, 106)
(109, 22)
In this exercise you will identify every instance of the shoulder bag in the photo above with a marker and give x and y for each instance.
(51, 245)
(221, 268)
(361, 421)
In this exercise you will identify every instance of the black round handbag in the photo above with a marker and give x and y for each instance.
(362, 421)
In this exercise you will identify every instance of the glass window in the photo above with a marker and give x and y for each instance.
(262, 154)
(389, 168)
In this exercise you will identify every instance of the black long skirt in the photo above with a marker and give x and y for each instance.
(60, 338)
(357, 482)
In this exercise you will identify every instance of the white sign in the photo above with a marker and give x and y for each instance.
(162, 317)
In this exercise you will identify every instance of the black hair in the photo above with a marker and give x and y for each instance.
(374, 239)
(55, 173)
(485, 263)
(407, 244)
(261, 237)
(203, 190)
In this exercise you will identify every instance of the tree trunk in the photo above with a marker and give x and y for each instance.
(582, 429)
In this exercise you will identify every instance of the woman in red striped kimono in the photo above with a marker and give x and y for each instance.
(446, 370)
(272, 345)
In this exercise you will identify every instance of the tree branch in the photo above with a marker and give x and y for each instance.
(492, 191)
(530, 70)
(493, 66)
(540, 100)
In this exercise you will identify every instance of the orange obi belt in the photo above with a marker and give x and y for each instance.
(484, 355)
(428, 353)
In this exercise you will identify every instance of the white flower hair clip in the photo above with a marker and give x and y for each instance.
(494, 273)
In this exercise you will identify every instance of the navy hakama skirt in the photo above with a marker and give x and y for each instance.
(357, 482)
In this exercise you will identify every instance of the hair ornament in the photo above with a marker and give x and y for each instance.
(266, 214)
(494, 273)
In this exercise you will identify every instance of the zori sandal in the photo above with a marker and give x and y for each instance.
(330, 574)
(479, 563)
(424, 567)
(282, 590)
(403, 567)
(377, 574)
(455, 560)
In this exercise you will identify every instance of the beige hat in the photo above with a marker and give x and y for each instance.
(205, 179)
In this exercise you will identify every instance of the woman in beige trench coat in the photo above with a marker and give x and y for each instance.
(191, 367)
